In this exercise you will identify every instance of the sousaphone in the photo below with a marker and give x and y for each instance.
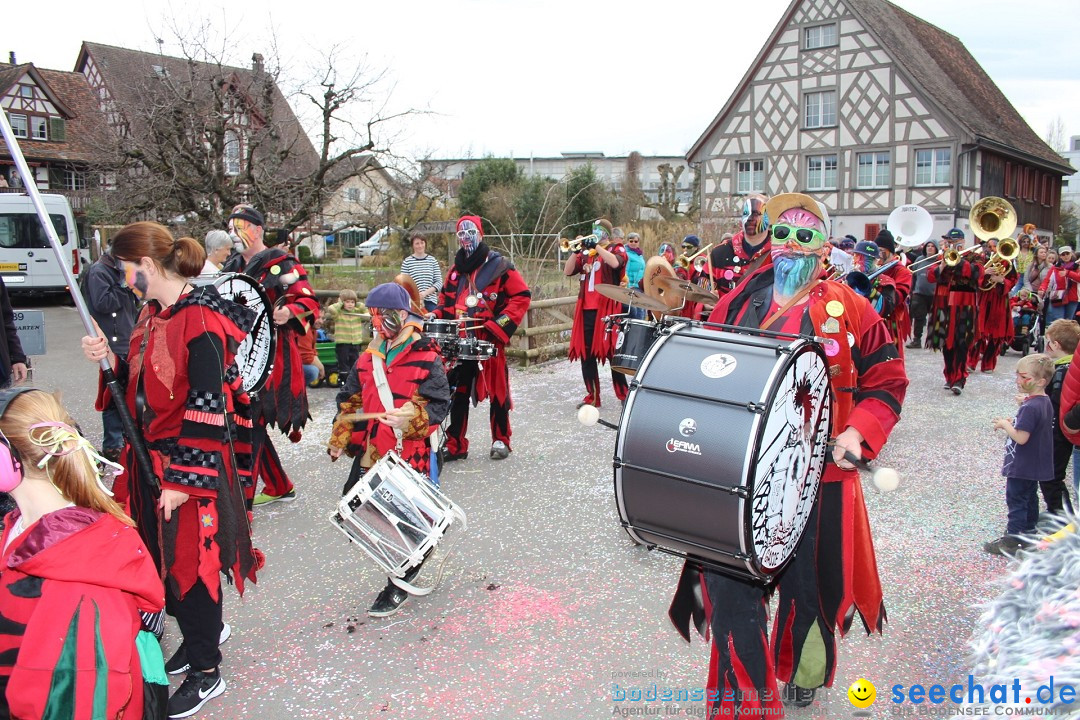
(992, 217)
(910, 225)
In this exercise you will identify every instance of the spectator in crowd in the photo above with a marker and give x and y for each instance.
(1060, 286)
(218, 248)
(922, 296)
(1039, 268)
(349, 318)
(425, 271)
(635, 269)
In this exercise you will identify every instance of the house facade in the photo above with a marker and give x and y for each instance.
(866, 107)
(55, 120)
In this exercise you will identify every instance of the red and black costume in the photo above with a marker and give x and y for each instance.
(414, 372)
(735, 259)
(499, 300)
(184, 391)
(592, 340)
(283, 401)
(995, 325)
(954, 315)
(899, 320)
(71, 589)
(833, 572)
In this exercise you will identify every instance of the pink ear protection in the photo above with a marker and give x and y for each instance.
(11, 469)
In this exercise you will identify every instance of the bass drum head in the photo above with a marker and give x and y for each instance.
(255, 355)
(790, 457)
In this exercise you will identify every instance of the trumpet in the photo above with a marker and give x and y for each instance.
(950, 257)
(1007, 251)
(568, 245)
(698, 260)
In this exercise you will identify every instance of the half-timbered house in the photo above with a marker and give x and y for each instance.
(866, 107)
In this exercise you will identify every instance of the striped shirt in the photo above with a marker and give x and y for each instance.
(424, 271)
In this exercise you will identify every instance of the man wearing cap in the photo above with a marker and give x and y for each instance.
(954, 314)
(995, 326)
(747, 250)
(401, 376)
(899, 320)
(483, 289)
(833, 571)
(880, 290)
(283, 401)
(591, 341)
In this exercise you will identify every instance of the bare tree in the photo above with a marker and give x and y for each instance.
(1055, 135)
(196, 136)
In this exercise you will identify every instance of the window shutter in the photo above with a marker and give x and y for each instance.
(870, 232)
(57, 129)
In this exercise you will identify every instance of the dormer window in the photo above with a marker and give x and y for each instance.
(820, 36)
(26, 91)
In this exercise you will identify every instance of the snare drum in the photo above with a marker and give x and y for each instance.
(441, 330)
(472, 349)
(395, 515)
(632, 341)
(722, 445)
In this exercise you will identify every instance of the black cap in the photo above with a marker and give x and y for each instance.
(246, 212)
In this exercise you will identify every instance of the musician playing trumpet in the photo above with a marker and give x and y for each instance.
(995, 325)
(954, 314)
(899, 321)
(597, 260)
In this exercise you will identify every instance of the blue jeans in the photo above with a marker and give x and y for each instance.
(113, 428)
(1057, 312)
(1022, 499)
(311, 374)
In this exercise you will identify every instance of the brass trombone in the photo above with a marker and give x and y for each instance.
(951, 258)
(698, 260)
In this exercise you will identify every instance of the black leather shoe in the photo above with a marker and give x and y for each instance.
(795, 696)
(451, 457)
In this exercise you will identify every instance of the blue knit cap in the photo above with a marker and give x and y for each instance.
(388, 296)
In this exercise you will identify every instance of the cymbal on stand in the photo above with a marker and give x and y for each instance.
(685, 288)
(630, 296)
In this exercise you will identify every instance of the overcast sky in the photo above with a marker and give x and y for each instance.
(543, 77)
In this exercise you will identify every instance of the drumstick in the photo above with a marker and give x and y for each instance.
(885, 479)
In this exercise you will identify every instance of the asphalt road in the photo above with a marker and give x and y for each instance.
(545, 605)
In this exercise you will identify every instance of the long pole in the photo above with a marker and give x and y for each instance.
(142, 456)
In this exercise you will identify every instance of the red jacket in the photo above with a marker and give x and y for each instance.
(1065, 277)
(1069, 412)
(74, 583)
(594, 270)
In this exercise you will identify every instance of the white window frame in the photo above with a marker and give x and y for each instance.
(26, 91)
(753, 174)
(74, 180)
(819, 43)
(36, 121)
(820, 101)
(880, 162)
(939, 172)
(352, 194)
(20, 128)
(822, 172)
(231, 153)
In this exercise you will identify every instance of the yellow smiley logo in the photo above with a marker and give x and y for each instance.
(862, 693)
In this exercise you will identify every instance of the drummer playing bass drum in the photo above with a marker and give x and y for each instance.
(400, 375)
(833, 572)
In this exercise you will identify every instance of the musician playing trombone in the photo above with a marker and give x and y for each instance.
(954, 314)
(899, 321)
(596, 260)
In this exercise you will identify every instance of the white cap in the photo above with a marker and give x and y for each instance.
(1065, 248)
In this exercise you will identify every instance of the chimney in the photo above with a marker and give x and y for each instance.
(11, 57)
(257, 63)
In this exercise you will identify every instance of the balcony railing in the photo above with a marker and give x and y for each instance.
(78, 199)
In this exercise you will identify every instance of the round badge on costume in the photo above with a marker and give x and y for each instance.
(471, 301)
(834, 308)
(850, 340)
(832, 348)
(728, 274)
(276, 270)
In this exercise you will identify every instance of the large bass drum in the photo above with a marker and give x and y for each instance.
(722, 445)
(255, 355)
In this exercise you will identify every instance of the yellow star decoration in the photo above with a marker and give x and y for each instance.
(207, 520)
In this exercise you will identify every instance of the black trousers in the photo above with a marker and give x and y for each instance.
(920, 308)
(199, 618)
(1055, 492)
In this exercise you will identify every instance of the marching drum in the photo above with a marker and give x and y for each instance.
(633, 340)
(469, 348)
(395, 515)
(440, 330)
(255, 354)
(722, 445)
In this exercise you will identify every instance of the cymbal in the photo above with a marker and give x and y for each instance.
(630, 296)
(692, 292)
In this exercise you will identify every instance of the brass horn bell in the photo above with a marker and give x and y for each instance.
(992, 217)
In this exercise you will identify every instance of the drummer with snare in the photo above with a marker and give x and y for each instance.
(834, 572)
(592, 340)
(401, 376)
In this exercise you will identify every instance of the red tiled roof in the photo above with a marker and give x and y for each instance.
(85, 129)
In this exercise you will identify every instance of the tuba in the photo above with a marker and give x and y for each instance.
(992, 217)
(1007, 251)
(910, 225)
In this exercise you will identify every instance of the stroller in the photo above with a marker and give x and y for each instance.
(1028, 318)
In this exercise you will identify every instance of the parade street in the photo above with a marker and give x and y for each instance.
(546, 608)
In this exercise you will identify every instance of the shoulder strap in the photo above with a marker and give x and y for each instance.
(385, 396)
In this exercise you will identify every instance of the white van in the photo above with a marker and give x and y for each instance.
(377, 244)
(28, 264)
